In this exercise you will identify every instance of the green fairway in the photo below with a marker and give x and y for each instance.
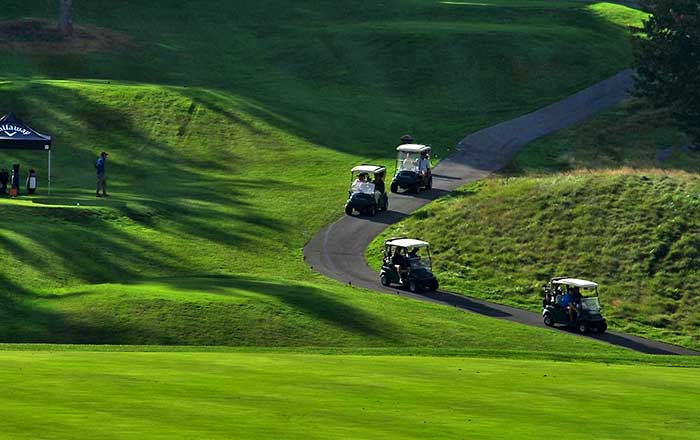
(266, 395)
(229, 144)
(624, 215)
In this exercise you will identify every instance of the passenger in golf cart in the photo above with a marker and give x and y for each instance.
(407, 262)
(574, 303)
(367, 195)
(412, 168)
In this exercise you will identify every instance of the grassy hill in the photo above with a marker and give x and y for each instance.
(229, 144)
(623, 213)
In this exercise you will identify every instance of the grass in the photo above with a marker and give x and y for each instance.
(630, 136)
(229, 142)
(622, 213)
(236, 311)
(619, 14)
(230, 129)
(220, 395)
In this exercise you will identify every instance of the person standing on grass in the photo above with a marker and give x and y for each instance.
(101, 179)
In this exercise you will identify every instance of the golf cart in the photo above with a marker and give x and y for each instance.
(586, 313)
(404, 266)
(407, 175)
(365, 181)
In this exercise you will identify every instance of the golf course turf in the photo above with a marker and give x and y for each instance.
(231, 128)
(273, 395)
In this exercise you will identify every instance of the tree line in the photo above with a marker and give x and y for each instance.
(667, 54)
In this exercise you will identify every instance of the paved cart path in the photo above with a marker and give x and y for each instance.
(338, 251)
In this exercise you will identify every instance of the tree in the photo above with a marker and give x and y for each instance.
(66, 19)
(668, 60)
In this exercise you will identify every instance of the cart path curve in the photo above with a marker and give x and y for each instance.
(338, 251)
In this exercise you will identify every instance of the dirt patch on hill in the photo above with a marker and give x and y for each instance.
(43, 37)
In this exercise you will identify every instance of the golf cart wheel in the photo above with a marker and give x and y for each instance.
(372, 211)
(394, 187)
(348, 210)
(434, 285)
(548, 320)
(602, 327)
(384, 280)
(413, 286)
(582, 328)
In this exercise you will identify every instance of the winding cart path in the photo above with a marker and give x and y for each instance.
(338, 251)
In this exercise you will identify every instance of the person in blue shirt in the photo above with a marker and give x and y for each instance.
(101, 179)
(569, 300)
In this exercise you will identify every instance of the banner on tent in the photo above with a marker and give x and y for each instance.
(16, 135)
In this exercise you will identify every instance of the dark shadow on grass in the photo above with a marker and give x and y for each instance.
(317, 303)
(184, 321)
(23, 320)
(164, 189)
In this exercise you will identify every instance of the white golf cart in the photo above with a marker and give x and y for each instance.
(583, 309)
(407, 262)
(408, 176)
(367, 194)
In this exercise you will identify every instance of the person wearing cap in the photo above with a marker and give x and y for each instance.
(101, 179)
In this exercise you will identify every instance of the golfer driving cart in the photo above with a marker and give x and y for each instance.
(573, 303)
(367, 193)
(407, 262)
(412, 168)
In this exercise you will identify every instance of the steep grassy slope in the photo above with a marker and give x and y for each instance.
(266, 395)
(631, 136)
(627, 218)
(230, 129)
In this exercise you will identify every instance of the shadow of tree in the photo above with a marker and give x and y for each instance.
(251, 312)
(171, 188)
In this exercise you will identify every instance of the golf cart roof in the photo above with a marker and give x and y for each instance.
(575, 282)
(413, 148)
(406, 243)
(370, 169)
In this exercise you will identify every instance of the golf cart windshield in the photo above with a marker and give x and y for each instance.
(420, 263)
(407, 161)
(419, 258)
(590, 304)
(364, 184)
(364, 187)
